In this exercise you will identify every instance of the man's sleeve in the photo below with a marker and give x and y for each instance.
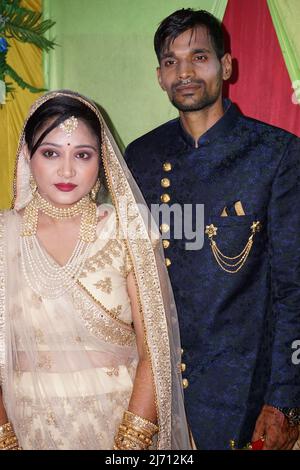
(284, 237)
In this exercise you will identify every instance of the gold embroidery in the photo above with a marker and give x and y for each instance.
(99, 322)
(116, 312)
(104, 285)
(72, 412)
(123, 271)
(128, 264)
(36, 300)
(148, 284)
(45, 362)
(110, 313)
(50, 418)
(102, 258)
(126, 267)
(113, 371)
(39, 336)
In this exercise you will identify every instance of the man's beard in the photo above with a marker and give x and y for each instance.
(204, 101)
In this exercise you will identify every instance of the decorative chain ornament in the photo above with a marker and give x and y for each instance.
(231, 264)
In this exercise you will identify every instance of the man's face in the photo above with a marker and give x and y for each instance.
(190, 71)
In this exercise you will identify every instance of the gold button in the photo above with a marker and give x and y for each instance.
(185, 383)
(182, 351)
(168, 262)
(167, 166)
(183, 367)
(164, 228)
(166, 243)
(165, 183)
(165, 198)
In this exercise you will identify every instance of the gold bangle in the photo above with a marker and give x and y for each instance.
(134, 433)
(138, 422)
(8, 439)
(134, 437)
(5, 428)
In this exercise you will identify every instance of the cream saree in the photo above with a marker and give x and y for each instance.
(68, 364)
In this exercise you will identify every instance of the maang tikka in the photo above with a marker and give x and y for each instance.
(69, 125)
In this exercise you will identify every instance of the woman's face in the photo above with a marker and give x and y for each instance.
(65, 167)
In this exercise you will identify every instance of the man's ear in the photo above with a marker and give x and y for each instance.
(226, 66)
(159, 78)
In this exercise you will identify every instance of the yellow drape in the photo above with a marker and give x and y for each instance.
(26, 59)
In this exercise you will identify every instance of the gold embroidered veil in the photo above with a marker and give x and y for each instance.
(155, 293)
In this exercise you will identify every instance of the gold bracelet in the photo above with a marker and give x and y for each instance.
(138, 422)
(8, 439)
(5, 428)
(130, 435)
(134, 433)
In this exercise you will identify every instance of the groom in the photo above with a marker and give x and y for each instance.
(238, 297)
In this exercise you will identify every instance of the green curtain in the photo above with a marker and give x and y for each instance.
(286, 19)
(106, 52)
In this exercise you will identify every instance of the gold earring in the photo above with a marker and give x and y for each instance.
(32, 184)
(94, 191)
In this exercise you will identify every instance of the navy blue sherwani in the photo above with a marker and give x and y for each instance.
(238, 330)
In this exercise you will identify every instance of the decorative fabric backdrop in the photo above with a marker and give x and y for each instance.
(106, 52)
(262, 87)
(26, 59)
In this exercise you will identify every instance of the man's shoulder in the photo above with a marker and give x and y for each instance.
(156, 137)
(267, 131)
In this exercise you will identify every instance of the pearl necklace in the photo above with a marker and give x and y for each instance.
(43, 274)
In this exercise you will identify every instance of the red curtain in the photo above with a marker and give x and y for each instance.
(260, 85)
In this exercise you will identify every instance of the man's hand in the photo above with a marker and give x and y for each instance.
(276, 430)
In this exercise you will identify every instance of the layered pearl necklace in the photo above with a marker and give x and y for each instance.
(43, 274)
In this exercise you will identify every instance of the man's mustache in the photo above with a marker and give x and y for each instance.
(183, 82)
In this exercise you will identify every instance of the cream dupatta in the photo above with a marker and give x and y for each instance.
(105, 393)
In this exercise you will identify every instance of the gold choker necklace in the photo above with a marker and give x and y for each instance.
(85, 207)
(61, 212)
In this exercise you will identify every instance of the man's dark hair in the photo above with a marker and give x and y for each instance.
(182, 20)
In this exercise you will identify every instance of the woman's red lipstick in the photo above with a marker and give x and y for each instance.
(66, 187)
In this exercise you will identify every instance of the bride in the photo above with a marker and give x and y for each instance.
(89, 342)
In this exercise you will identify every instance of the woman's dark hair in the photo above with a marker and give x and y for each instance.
(59, 108)
(182, 20)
